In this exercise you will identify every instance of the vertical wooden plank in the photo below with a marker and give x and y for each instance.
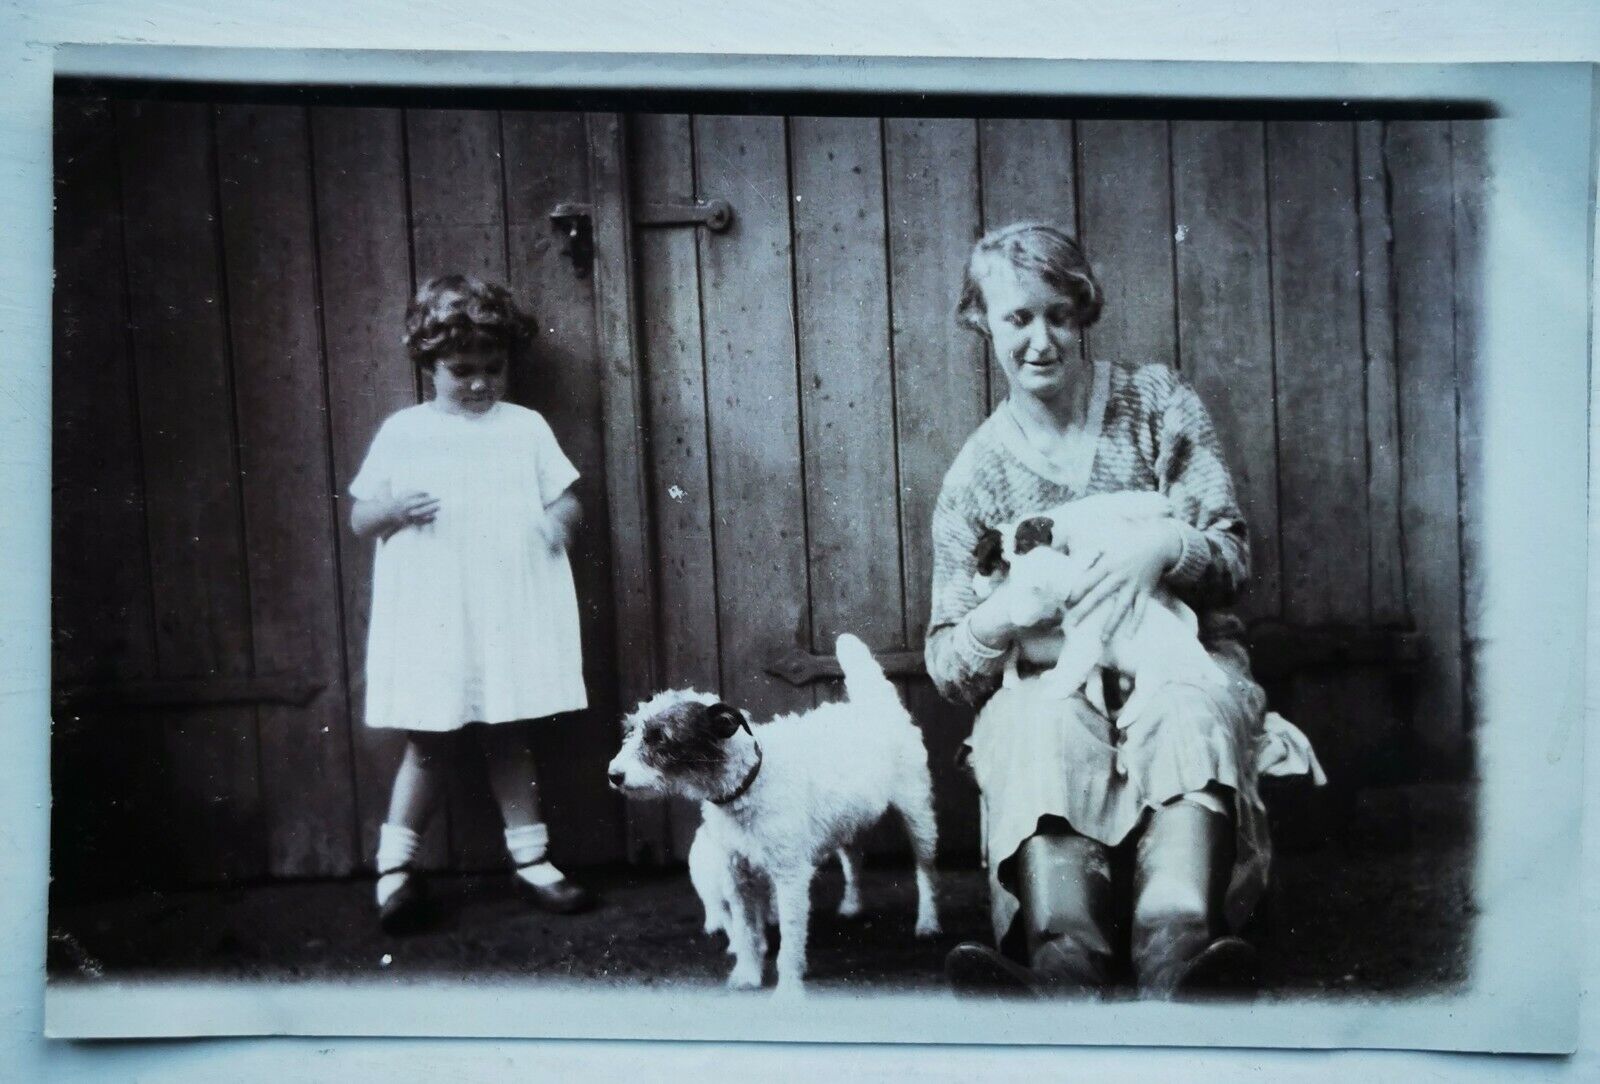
(1321, 380)
(1322, 436)
(457, 204)
(458, 227)
(1225, 321)
(547, 162)
(177, 314)
(753, 401)
(364, 264)
(1126, 193)
(1386, 560)
(626, 442)
(933, 216)
(933, 219)
(101, 622)
(662, 164)
(1471, 178)
(1029, 172)
(101, 625)
(1419, 159)
(307, 787)
(846, 381)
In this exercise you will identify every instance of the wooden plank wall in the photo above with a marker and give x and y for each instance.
(1295, 272)
(230, 288)
(233, 282)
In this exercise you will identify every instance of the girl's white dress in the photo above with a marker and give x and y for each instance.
(474, 616)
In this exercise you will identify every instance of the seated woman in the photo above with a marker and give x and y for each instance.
(1069, 799)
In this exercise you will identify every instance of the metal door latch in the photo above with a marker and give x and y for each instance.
(575, 221)
(715, 215)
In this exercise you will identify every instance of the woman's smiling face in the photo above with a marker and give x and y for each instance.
(1031, 328)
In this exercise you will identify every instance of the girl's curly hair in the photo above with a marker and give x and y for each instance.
(1046, 251)
(456, 313)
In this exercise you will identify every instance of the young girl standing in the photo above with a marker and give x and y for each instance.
(474, 616)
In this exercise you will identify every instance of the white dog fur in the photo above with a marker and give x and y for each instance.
(708, 873)
(1155, 645)
(778, 800)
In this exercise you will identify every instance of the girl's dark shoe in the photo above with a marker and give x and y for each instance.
(562, 898)
(408, 908)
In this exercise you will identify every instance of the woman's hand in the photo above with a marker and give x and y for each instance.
(1123, 575)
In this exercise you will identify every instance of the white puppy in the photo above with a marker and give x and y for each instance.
(777, 805)
(1038, 559)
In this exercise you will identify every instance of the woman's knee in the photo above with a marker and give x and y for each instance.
(1168, 898)
(1182, 859)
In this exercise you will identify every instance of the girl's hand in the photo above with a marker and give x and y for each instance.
(555, 532)
(560, 521)
(1122, 576)
(411, 510)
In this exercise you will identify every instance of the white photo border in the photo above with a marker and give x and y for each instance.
(1523, 991)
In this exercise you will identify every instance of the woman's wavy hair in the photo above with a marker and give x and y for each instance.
(455, 313)
(1042, 249)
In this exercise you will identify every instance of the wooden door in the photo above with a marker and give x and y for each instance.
(799, 388)
(232, 282)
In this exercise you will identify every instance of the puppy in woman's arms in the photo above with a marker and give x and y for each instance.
(779, 799)
(1038, 560)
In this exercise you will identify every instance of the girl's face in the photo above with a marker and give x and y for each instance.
(1030, 326)
(471, 381)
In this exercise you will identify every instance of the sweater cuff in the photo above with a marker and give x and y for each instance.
(1193, 558)
(970, 647)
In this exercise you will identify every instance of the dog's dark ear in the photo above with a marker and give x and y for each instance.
(1034, 532)
(722, 720)
(988, 552)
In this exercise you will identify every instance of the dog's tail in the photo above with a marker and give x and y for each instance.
(864, 680)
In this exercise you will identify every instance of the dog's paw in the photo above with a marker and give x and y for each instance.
(850, 907)
(789, 990)
(744, 979)
(928, 927)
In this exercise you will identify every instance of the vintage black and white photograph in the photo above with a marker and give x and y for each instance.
(998, 548)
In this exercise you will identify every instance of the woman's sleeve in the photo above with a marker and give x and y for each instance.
(962, 667)
(376, 471)
(556, 472)
(1215, 562)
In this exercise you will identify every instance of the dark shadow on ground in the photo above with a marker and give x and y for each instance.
(1387, 912)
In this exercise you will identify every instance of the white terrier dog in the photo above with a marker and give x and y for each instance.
(1038, 559)
(775, 806)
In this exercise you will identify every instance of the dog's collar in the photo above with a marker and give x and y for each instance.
(744, 786)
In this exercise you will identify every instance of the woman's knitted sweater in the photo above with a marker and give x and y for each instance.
(1155, 435)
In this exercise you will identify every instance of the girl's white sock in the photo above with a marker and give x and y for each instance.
(528, 846)
(397, 845)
